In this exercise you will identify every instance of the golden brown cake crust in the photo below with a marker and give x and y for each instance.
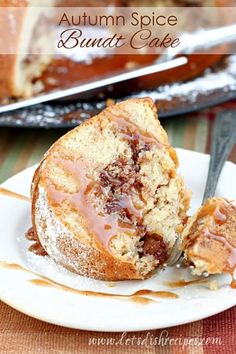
(87, 256)
(209, 240)
(102, 265)
(8, 61)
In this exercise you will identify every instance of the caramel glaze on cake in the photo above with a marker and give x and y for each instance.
(209, 240)
(107, 201)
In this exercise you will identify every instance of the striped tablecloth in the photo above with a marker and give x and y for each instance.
(20, 148)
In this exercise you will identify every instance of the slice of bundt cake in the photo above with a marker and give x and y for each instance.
(209, 239)
(27, 41)
(107, 201)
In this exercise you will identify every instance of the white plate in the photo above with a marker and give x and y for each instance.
(69, 309)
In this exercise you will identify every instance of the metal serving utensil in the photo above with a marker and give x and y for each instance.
(223, 140)
(191, 42)
(65, 93)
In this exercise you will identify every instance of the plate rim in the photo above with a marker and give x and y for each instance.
(102, 326)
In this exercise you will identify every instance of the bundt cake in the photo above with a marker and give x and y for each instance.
(107, 201)
(209, 239)
(25, 50)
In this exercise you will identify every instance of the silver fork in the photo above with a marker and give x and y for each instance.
(223, 140)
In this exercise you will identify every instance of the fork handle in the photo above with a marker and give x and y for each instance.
(223, 140)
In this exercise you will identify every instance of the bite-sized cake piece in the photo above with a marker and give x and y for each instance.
(27, 46)
(107, 201)
(209, 239)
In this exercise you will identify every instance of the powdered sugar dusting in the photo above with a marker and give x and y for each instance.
(54, 231)
(51, 237)
(225, 80)
(86, 55)
(210, 88)
(46, 266)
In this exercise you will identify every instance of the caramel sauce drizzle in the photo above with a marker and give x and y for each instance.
(217, 211)
(36, 247)
(202, 281)
(165, 294)
(12, 194)
(232, 250)
(103, 225)
(131, 131)
(31, 235)
(220, 215)
(231, 259)
(183, 283)
(140, 300)
(138, 296)
(233, 284)
(14, 266)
